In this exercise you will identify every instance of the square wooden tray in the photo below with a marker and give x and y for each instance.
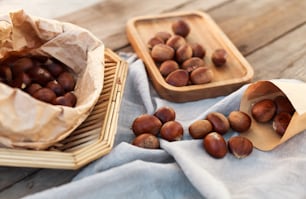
(205, 31)
(92, 139)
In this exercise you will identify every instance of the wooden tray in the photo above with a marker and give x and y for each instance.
(204, 31)
(92, 139)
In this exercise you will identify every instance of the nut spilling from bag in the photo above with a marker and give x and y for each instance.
(181, 62)
(45, 79)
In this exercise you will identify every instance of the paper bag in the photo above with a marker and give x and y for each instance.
(29, 123)
(263, 135)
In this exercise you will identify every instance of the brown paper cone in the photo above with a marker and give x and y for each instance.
(27, 122)
(262, 135)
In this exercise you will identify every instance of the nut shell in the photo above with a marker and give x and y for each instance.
(146, 124)
(178, 78)
(240, 146)
(147, 141)
(45, 95)
(165, 114)
(183, 53)
(201, 75)
(219, 57)
(200, 128)
(264, 110)
(172, 131)
(239, 121)
(219, 121)
(176, 41)
(215, 145)
(180, 27)
(198, 50)
(167, 67)
(162, 52)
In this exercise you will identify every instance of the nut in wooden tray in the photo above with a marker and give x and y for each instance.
(227, 76)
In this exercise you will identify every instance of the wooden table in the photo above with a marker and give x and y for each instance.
(270, 34)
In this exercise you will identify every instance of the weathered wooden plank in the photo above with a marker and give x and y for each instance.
(107, 20)
(253, 24)
(284, 58)
(43, 179)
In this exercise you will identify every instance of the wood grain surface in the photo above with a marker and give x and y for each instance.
(270, 34)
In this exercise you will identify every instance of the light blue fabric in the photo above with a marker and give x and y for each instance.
(183, 169)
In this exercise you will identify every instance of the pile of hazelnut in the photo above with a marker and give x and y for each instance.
(213, 127)
(45, 79)
(180, 62)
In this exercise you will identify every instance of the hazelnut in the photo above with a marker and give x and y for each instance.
(264, 110)
(67, 81)
(219, 57)
(44, 94)
(201, 75)
(167, 67)
(283, 105)
(183, 53)
(154, 41)
(56, 87)
(180, 27)
(215, 145)
(197, 50)
(240, 146)
(239, 121)
(194, 61)
(172, 131)
(163, 35)
(146, 124)
(162, 52)
(281, 122)
(178, 78)
(175, 41)
(200, 128)
(165, 114)
(147, 141)
(219, 121)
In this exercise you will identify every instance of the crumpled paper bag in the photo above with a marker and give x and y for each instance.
(262, 135)
(29, 123)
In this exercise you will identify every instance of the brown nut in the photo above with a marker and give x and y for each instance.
(283, 105)
(215, 145)
(167, 67)
(219, 57)
(55, 68)
(163, 35)
(240, 146)
(56, 87)
(194, 61)
(180, 27)
(239, 121)
(146, 124)
(200, 128)
(201, 75)
(22, 64)
(281, 122)
(154, 41)
(6, 73)
(165, 114)
(69, 99)
(219, 121)
(183, 53)
(172, 131)
(67, 81)
(32, 88)
(175, 41)
(162, 52)
(45, 95)
(178, 78)
(40, 75)
(147, 141)
(198, 50)
(264, 110)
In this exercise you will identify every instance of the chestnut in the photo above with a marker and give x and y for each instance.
(146, 124)
(239, 121)
(200, 128)
(219, 57)
(163, 35)
(67, 81)
(198, 50)
(6, 73)
(180, 27)
(215, 145)
(154, 41)
(167, 67)
(69, 99)
(178, 78)
(240, 146)
(172, 131)
(201, 75)
(162, 52)
(194, 61)
(281, 122)
(22, 65)
(165, 114)
(263, 110)
(45, 95)
(55, 68)
(219, 121)
(32, 88)
(176, 41)
(56, 87)
(147, 141)
(40, 75)
(283, 105)
(183, 53)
